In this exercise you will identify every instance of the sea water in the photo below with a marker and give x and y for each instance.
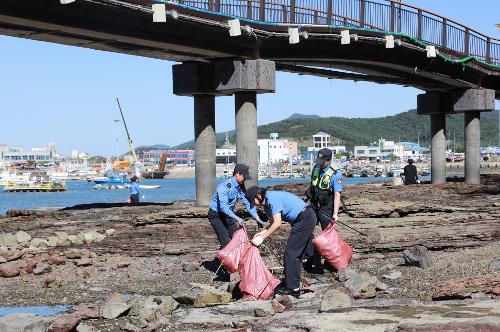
(82, 192)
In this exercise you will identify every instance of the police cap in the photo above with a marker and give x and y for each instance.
(242, 169)
(323, 155)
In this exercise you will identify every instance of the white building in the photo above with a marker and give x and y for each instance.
(321, 140)
(274, 149)
(380, 151)
(43, 154)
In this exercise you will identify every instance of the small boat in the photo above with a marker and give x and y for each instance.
(124, 186)
(35, 186)
(113, 180)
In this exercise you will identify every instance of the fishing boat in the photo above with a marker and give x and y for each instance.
(35, 186)
(119, 179)
(11, 176)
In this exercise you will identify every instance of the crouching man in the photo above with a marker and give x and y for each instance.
(283, 206)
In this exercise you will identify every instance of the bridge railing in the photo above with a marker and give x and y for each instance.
(384, 15)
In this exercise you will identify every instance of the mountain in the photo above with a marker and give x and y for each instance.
(297, 116)
(406, 126)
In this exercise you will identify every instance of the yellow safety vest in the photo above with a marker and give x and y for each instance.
(323, 183)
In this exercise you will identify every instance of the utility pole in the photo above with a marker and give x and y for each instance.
(116, 137)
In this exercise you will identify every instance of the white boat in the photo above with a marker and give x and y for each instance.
(11, 176)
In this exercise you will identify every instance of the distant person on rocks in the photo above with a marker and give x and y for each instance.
(324, 195)
(134, 190)
(410, 173)
(284, 206)
(224, 221)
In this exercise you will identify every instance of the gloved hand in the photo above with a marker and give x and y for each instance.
(257, 240)
(335, 218)
(143, 197)
(240, 222)
(260, 223)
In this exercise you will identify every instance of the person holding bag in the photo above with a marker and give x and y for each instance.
(284, 206)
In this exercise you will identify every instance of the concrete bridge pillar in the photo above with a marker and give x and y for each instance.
(205, 145)
(438, 148)
(472, 146)
(196, 79)
(468, 101)
(246, 78)
(246, 132)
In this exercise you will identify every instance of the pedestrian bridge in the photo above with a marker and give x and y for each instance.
(197, 30)
(234, 47)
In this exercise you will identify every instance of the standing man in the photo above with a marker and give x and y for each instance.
(283, 206)
(410, 173)
(134, 190)
(224, 221)
(324, 194)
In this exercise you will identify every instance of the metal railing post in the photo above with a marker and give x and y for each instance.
(362, 7)
(285, 13)
(249, 10)
(466, 41)
(444, 34)
(419, 25)
(393, 16)
(329, 11)
(315, 17)
(292, 11)
(488, 49)
(262, 11)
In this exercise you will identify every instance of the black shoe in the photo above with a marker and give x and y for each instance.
(282, 290)
(313, 266)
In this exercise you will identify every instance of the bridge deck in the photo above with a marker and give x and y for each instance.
(467, 58)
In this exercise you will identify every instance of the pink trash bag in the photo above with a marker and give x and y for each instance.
(231, 255)
(257, 282)
(333, 248)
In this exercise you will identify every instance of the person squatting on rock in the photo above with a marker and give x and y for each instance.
(224, 221)
(324, 196)
(284, 206)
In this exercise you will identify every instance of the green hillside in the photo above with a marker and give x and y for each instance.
(407, 126)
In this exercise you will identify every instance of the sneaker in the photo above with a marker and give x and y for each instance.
(282, 290)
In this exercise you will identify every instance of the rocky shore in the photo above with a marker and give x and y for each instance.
(430, 262)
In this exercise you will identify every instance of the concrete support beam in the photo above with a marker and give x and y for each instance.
(233, 76)
(204, 131)
(472, 129)
(459, 101)
(438, 148)
(246, 133)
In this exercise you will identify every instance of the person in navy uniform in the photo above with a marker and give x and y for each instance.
(224, 221)
(284, 206)
(324, 195)
(134, 190)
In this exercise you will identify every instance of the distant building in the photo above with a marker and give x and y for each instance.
(320, 141)
(225, 155)
(43, 154)
(413, 150)
(275, 149)
(176, 157)
(380, 151)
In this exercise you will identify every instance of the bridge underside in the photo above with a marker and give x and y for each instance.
(114, 28)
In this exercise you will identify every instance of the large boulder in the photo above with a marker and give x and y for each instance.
(23, 237)
(39, 243)
(417, 256)
(334, 300)
(148, 309)
(361, 283)
(62, 239)
(211, 298)
(9, 270)
(8, 240)
(23, 323)
(114, 306)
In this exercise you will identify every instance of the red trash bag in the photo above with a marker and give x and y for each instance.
(231, 255)
(333, 248)
(257, 282)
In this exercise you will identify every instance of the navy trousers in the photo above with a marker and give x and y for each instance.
(299, 244)
(223, 225)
